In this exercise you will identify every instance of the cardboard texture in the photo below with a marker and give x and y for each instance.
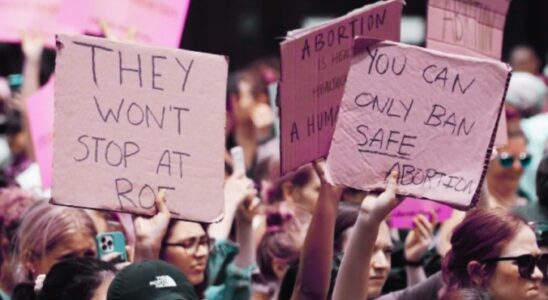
(40, 114)
(473, 28)
(315, 63)
(402, 216)
(428, 114)
(132, 120)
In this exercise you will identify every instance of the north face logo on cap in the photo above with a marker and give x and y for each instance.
(163, 281)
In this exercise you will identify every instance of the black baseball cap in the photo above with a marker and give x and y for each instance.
(151, 280)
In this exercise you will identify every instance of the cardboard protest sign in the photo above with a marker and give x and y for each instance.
(40, 114)
(427, 114)
(158, 22)
(315, 64)
(472, 28)
(39, 17)
(402, 216)
(133, 120)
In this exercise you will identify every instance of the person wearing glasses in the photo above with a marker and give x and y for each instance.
(186, 245)
(497, 250)
(217, 268)
(493, 250)
(505, 171)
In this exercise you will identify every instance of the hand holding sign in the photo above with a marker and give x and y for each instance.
(377, 207)
(150, 232)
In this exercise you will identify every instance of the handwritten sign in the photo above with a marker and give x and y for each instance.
(131, 121)
(427, 114)
(469, 27)
(402, 216)
(158, 22)
(40, 114)
(315, 63)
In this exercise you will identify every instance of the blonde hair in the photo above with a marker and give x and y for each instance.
(42, 228)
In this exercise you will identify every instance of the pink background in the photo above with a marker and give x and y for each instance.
(158, 22)
(40, 114)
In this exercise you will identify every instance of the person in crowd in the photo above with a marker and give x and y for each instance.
(278, 249)
(300, 190)
(220, 269)
(315, 262)
(523, 58)
(13, 204)
(152, 279)
(538, 211)
(83, 278)
(526, 93)
(18, 130)
(49, 234)
(187, 245)
(250, 116)
(504, 172)
(503, 257)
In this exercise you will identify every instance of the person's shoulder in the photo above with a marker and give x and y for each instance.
(425, 290)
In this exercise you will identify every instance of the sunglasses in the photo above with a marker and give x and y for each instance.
(526, 264)
(507, 160)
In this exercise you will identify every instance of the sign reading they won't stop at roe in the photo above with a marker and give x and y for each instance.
(133, 120)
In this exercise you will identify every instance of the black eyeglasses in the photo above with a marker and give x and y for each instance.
(507, 160)
(194, 243)
(526, 264)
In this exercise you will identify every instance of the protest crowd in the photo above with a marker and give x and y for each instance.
(334, 187)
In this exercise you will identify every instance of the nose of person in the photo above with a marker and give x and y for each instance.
(516, 165)
(537, 274)
(202, 251)
(380, 262)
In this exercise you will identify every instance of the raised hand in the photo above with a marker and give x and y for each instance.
(149, 232)
(420, 238)
(378, 207)
(32, 46)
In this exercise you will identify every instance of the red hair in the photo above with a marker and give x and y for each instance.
(481, 235)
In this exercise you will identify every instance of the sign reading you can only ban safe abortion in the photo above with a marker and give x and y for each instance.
(131, 121)
(431, 116)
(315, 63)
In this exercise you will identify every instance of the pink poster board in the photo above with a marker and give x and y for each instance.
(402, 216)
(315, 64)
(473, 28)
(40, 114)
(417, 111)
(133, 120)
(158, 22)
(31, 16)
